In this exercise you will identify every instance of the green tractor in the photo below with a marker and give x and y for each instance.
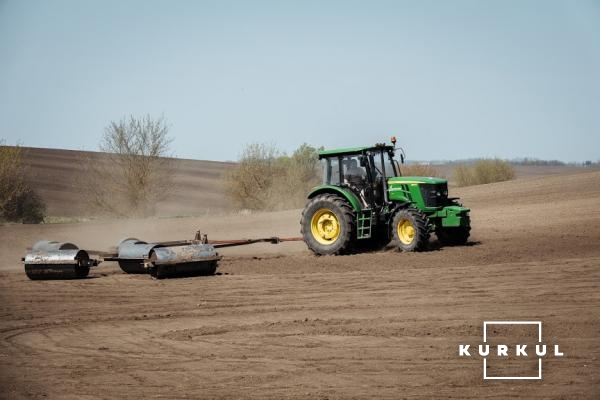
(365, 202)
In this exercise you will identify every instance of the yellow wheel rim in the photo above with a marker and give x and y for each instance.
(325, 226)
(406, 231)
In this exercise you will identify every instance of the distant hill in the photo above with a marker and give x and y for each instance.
(57, 178)
(446, 168)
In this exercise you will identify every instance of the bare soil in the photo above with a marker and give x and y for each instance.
(279, 322)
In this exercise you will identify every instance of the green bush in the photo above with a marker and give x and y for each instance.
(463, 175)
(26, 207)
(483, 171)
(18, 201)
(266, 179)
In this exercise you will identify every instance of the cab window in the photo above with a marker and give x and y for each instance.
(352, 170)
(331, 171)
(387, 165)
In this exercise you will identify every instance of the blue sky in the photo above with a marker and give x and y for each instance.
(450, 79)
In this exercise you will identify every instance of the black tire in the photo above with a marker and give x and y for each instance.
(453, 236)
(346, 219)
(132, 267)
(55, 271)
(202, 268)
(211, 269)
(419, 240)
(157, 272)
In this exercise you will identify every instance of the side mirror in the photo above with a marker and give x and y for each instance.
(402, 155)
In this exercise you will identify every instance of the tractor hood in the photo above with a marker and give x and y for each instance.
(415, 179)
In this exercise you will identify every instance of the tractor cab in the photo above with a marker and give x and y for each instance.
(362, 170)
(364, 199)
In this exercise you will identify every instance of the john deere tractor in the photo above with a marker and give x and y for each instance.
(365, 202)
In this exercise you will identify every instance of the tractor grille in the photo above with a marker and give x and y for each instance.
(434, 195)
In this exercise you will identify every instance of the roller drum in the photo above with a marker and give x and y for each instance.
(131, 254)
(177, 261)
(55, 260)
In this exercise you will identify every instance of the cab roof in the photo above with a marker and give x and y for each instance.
(353, 150)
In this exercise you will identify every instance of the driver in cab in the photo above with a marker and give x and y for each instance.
(354, 177)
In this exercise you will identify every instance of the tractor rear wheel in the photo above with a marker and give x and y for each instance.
(453, 236)
(411, 230)
(328, 225)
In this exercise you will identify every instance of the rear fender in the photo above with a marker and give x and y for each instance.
(345, 193)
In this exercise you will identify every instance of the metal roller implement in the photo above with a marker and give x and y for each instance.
(55, 260)
(161, 260)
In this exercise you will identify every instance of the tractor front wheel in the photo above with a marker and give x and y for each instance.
(411, 230)
(328, 225)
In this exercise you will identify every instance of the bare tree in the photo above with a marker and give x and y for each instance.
(134, 174)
